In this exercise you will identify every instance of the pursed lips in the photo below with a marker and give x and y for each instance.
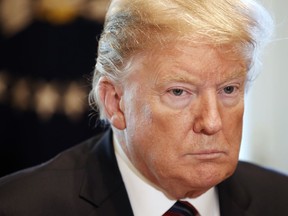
(207, 154)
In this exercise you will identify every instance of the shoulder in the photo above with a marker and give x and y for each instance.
(46, 185)
(257, 177)
(254, 187)
(68, 160)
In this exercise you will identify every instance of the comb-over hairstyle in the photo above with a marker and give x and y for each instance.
(136, 26)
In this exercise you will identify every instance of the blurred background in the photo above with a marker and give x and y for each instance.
(47, 55)
(265, 139)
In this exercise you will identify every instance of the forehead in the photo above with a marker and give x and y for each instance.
(184, 61)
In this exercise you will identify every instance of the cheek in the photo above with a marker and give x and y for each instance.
(232, 128)
(153, 134)
(139, 128)
(137, 111)
(165, 134)
(235, 121)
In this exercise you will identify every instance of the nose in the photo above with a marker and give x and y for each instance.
(208, 119)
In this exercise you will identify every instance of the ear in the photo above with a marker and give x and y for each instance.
(111, 96)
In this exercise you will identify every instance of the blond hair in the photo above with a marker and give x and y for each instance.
(135, 26)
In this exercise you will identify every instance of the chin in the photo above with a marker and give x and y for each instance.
(205, 181)
(186, 193)
(190, 187)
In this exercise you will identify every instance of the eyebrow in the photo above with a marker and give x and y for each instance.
(179, 75)
(180, 78)
(235, 75)
(176, 77)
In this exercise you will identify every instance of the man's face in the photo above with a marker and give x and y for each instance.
(183, 110)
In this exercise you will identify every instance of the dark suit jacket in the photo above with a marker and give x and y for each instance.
(85, 180)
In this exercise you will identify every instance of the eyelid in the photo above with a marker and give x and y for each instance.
(177, 101)
(180, 85)
(235, 86)
(179, 88)
(235, 83)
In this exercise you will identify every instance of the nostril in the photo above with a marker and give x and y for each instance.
(212, 126)
(208, 124)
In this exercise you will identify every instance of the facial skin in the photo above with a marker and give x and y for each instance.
(178, 117)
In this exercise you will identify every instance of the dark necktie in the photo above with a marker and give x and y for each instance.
(181, 208)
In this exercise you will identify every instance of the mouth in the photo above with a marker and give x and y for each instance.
(207, 155)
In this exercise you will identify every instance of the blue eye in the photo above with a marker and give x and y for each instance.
(229, 89)
(177, 92)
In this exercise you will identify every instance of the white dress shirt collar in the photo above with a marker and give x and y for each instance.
(146, 199)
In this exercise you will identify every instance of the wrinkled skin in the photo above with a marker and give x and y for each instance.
(178, 116)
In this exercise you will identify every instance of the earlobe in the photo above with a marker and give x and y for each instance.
(110, 97)
(118, 121)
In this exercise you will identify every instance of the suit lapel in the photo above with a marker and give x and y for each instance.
(102, 184)
(234, 199)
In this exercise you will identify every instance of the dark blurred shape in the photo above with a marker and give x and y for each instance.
(44, 84)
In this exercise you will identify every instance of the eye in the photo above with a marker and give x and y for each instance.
(229, 89)
(177, 97)
(177, 92)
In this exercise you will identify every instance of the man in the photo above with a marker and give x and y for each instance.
(170, 78)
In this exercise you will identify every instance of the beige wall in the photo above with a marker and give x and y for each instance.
(265, 138)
